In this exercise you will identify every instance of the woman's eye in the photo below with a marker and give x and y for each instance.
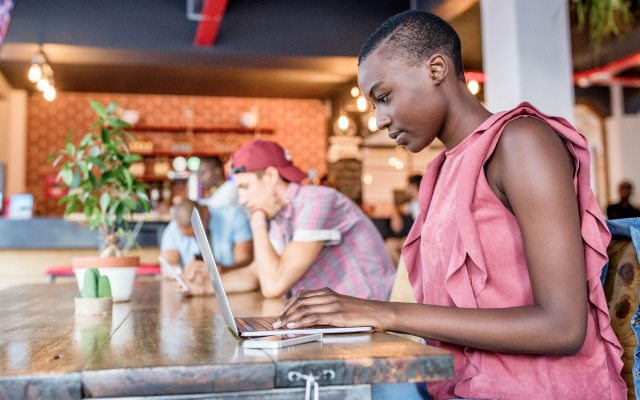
(383, 99)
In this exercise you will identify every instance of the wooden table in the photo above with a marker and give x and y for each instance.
(163, 344)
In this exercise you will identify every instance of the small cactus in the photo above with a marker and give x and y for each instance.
(95, 285)
(90, 286)
(104, 287)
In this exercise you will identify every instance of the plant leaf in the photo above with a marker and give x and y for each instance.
(120, 212)
(50, 157)
(111, 107)
(97, 124)
(99, 109)
(69, 135)
(71, 148)
(93, 180)
(94, 221)
(132, 158)
(66, 174)
(57, 160)
(132, 205)
(104, 134)
(97, 162)
(65, 198)
(129, 177)
(107, 177)
(71, 205)
(130, 136)
(75, 180)
(142, 195)
(95, 151)
(105, 199)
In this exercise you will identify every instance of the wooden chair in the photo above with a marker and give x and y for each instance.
(621, 287)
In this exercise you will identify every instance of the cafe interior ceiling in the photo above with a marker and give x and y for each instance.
(274, 48)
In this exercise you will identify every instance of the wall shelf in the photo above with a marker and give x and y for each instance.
(179, 154)
(183, 129)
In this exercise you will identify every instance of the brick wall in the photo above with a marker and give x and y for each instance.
(299, 125)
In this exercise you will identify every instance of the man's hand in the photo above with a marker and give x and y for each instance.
(196, 277)
(326, 307)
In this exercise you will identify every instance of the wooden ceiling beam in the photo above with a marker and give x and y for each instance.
(209, 25)
(449, 10)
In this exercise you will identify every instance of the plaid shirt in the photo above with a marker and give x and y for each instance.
(354, 260)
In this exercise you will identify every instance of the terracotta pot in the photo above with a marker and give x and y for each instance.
(93, 306)
(121, 272)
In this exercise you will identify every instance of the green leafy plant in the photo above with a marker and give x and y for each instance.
(96, 171)
(95, 285)
(605, 17)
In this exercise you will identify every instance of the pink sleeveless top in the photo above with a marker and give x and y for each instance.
(465, 250)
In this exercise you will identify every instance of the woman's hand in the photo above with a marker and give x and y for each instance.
(326, 307)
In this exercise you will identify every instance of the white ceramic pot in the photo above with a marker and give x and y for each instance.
(121, 272)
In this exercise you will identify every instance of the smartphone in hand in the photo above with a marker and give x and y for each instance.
(173, 273)
(278, 342)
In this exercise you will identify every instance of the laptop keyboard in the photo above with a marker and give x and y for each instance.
(266, 324)
(256, 324)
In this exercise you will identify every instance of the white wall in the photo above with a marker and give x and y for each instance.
(13, 136)
(591, 126)
(623, 153)
(526, 55)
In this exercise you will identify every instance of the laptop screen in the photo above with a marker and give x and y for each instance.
(212, 268)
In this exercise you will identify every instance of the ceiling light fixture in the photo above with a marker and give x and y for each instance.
(41, 73)
(373, 126)
(50, 93)
(343, 122)
(474, 86)
(35, 72)
(361, 103)
(43, 83)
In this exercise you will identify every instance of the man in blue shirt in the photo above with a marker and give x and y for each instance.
(228, 231)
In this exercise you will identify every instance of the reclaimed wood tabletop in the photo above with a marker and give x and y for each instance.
(161, 343)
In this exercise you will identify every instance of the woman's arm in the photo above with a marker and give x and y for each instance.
(531, 172)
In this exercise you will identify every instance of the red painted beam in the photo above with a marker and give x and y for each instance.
(212, 13)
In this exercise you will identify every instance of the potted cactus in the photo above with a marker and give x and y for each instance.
(96, 171)
(95, 294)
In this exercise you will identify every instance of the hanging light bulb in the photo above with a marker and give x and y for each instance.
(35, 72)
(43, 83)
(372, 124)
(50, 93)
(362, 103)
(343, 122)
(355, 92)
(474, 86)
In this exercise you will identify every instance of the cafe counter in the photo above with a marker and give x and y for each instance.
(29, 247)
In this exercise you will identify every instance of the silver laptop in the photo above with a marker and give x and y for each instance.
(248, 327)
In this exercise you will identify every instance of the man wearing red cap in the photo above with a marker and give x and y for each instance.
(305, 236)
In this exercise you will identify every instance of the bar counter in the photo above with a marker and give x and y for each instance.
(161, 343)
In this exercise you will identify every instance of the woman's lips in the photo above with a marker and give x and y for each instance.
(397, 136)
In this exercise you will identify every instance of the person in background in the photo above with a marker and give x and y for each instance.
(623, 209)
(410, 207)
(329, 181)
(216, 188)
(304, 236)
(228, 232)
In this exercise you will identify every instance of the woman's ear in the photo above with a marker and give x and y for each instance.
(438, 68)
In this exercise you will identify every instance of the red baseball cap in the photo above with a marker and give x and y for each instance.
(260, 154)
